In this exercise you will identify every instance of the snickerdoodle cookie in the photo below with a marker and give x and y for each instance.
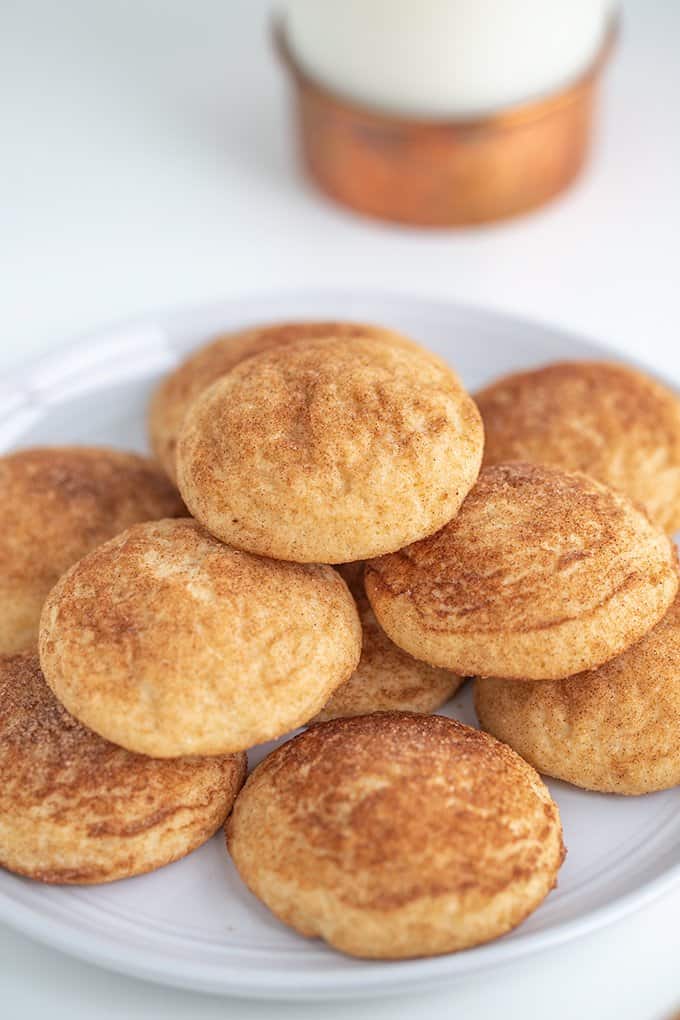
(395, 835)
(614, 729)
(387, 679)
(608, 420)
(542, 574)
(57, 504)
(169, 643)
(76, 809)
(329, 452)
(178, 390)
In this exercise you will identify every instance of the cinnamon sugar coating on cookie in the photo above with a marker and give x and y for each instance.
(542, 574)
(58, 503)
(178, 390)
(387, 679)
(76, 809)
(613, 729)
(605, 419)
(168, 642)
(329, 452)
(396, 835)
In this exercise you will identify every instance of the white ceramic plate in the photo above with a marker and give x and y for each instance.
(193, 924)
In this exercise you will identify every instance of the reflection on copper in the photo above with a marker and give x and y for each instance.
(444, 172)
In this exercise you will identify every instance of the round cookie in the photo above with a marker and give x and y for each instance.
(76, 809)
(614, 729)
(57, 504)
(179, 389)
(329, 452)
(386, 679)
(396, 835)
(169, 643)
(608, 420)
(542, 574)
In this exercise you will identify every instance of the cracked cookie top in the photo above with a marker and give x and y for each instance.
(542, 573)
(330, 451)
(168, 642)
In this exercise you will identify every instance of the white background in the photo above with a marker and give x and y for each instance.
(146, 161)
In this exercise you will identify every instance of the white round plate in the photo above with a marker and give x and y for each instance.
(193, 924)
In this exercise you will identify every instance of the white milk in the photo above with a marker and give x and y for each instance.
(441, 58)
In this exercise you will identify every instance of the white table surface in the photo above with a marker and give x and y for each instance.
(145, 161)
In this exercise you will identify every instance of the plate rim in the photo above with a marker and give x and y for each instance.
(370, 978)
(180, 311)
(375, 981)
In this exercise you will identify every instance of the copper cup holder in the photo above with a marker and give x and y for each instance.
(444, 172)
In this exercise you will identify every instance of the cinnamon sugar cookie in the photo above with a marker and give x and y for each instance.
(605, 419)
(170, 643)
(614, 729)
(76, 809)
(329, 452)
(396, 835)
(542, 574)
(57, 504)
(178, 390)
(386, 679)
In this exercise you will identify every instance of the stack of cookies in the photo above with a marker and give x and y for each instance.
(326, 540)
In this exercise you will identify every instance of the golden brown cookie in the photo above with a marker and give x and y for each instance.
(329, 452)
(169, 643)
(395, 835)
(57, 504)
(542, 574)
(76, 809)
(178, 390)
(614, 729)
(386, 679)
(608, 420)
